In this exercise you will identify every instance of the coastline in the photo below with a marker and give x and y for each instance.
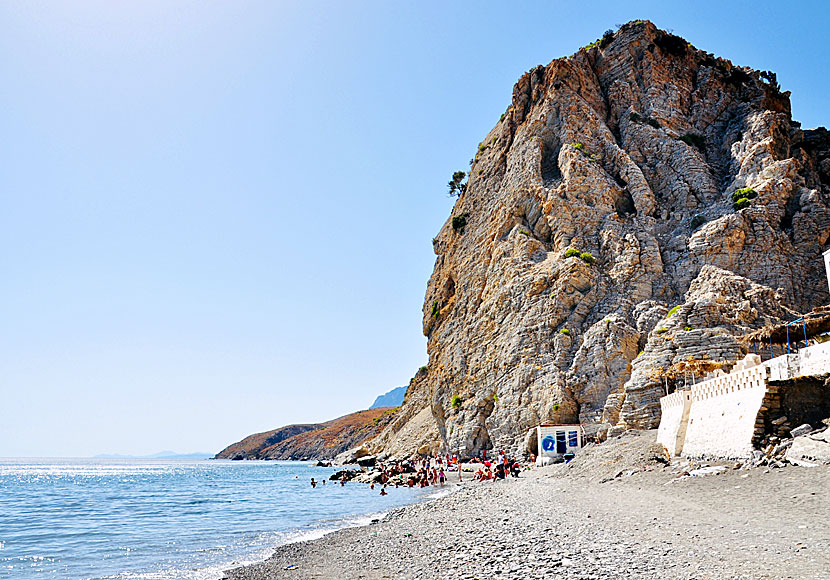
(577, 521)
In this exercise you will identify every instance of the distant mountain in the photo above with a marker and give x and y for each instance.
(393, 398)
(159, 455)
(312, 441)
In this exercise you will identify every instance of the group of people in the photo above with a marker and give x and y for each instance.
(435, 470)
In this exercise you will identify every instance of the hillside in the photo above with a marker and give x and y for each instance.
(640, 202)
(311, 441)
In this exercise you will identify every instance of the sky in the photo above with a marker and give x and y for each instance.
(216, 217)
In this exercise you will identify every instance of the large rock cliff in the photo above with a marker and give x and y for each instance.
(640, 203)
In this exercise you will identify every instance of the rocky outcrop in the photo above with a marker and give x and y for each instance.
(639, 203)
(314, 441)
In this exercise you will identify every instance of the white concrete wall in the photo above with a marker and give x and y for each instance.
(722, 414)
(815, 360)
(674, 418)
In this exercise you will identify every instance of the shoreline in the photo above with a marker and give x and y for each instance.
(317, 534)
(618, 513)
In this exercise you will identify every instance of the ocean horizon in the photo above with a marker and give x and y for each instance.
(168, 519)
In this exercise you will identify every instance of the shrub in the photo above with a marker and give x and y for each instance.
(436, 309)
(579, 147)
(556, 406)
(480, 171)
(698, 221)
(687, 328)
(673, 310)
(495, 397)
(639, 354)
(694, 140)
(570, 252)
(662, 330)
(456, 401)
(741, 203)
(459, 222)
(501, 118)
(772, 80)
(481, 147)
(587, 257)
(671, 44)
(607, 37)
(565, 331)
(737, 77)
(525, 232)
(744, 192)
(422, 369)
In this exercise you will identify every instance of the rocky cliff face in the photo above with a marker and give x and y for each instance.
(640, 203)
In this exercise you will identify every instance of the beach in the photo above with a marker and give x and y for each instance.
(617, 511)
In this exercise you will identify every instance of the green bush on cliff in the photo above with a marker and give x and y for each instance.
(741, 203)
(744, 193)
(571, 252)
(459, 222)
(587, 257)
(436, 309)
(673, 310)
(456, 401)
(565, 331)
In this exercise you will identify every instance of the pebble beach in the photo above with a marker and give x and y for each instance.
(618, 511)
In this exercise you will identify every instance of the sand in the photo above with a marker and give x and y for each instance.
(618, 511)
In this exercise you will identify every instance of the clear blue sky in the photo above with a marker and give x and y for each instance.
(216, 217)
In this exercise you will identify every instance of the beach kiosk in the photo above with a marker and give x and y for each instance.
(554, 441)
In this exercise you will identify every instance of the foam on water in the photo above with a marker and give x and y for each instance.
(168, 520)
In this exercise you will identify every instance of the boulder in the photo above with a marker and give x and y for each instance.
(809, 452)
(347, 474)
(367, 461)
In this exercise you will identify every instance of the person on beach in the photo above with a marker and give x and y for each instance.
(383, 491)
(343, 482)
(441, 476)
(313, 483)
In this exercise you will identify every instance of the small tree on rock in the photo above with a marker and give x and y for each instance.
(457, 185)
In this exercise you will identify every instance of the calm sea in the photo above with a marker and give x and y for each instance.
(167, 520)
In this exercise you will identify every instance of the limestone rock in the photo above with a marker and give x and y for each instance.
(809, 452)
(630, 151)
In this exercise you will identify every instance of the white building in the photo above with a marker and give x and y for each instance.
(726, 415)
(554, 441)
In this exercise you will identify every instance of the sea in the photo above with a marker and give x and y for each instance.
(128, 519)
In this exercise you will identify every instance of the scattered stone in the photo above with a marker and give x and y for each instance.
(801, 430)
